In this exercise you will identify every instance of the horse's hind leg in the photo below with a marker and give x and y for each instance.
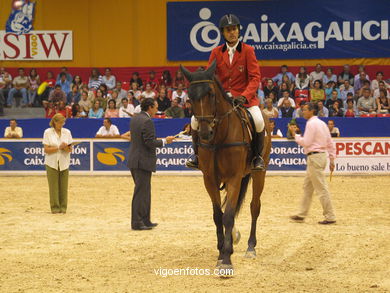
(258, 185)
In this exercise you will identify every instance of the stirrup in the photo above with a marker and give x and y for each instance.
(193, 164)
(258, 164)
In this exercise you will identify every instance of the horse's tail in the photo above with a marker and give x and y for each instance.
(241, 194)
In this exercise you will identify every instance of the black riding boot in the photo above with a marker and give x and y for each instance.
(258, 162)
(194, 164)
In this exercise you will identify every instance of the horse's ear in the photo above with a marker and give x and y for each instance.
(186, 73)
(211, 70)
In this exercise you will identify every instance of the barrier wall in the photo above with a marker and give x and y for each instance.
(366, 156)
(87, 128)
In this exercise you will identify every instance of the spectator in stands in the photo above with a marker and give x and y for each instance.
(136, 92)
(188, 112)
(57, 142)
(121, 92)
(275, 133)
(286, 110)
(131, 99)
(13, 131)
(335, 110)
(57, 95)
(149, 92)
(111, 111)
(96, 111)
(179, 78)
(283, 71)
(104, 90)
(366, 104)
(286, 96)
(115, 97)
(20, 86)
(108, 79)
(77, 112)
(126, 110)
(366, 85)
(77, 81)
(302, 79)
(299, 109)
(273, 97)
(322, 110)
(283, 87)
(359, 82)
(163, 102)
(317, 74)
(294, 126)
(175, 111)
(108, 130)
(84, 103)
(334, 131)
(329, 76)
(334, 98)
(270, 87)
(269, 110)
(65, 71)
(51, 82)
(5, 83)
(383, 102)
(101, 98)
(180, 94)
(345, 89)
(330, 87)
(152, 80)
(135, 78)
(361, 69)
(50, 109)
(346, 75)
(74, 96)
(137, 109)
(317, 93)
(290, 85)
(64, 110)
(95, 80)
(166, 79)
(382, 86)
(64, 83)
(34, 82)
(375, 82)
(350, 109)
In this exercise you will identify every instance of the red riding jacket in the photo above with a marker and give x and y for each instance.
(242, 77)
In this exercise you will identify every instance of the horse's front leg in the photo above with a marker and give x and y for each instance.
(212, 189)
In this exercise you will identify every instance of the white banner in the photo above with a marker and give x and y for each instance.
(36, 45)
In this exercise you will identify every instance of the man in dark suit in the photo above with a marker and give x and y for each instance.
(142, 162)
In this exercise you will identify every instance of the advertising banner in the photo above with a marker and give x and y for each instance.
(282, 29)
(354, 156)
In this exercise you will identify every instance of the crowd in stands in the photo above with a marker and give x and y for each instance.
(103, 96)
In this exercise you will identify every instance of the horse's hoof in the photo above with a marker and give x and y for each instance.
(236, 236)
(225, 271)
(250, 253)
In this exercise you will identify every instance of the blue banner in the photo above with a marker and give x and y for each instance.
(29, 156)
(282, 29)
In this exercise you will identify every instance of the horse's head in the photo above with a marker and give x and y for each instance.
(202, 97)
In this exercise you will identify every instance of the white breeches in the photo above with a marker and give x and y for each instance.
(256, 114)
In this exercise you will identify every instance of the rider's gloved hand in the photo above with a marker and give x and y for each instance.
(240, 100)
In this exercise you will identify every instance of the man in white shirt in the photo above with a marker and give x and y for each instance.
(286, 96)
(318, 74)
(180, 94)
(108, 130)
(109, 80)
(13, 131)
(127, 110)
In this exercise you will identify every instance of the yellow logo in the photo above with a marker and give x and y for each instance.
(4, 153)
(110, 156)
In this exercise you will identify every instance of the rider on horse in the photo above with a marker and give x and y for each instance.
(238, 70)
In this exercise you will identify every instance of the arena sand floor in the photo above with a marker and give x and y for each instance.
(92, 249)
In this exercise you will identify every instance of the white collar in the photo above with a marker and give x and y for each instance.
(233, 49)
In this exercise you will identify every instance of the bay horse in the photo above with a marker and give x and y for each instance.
(224, 156)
